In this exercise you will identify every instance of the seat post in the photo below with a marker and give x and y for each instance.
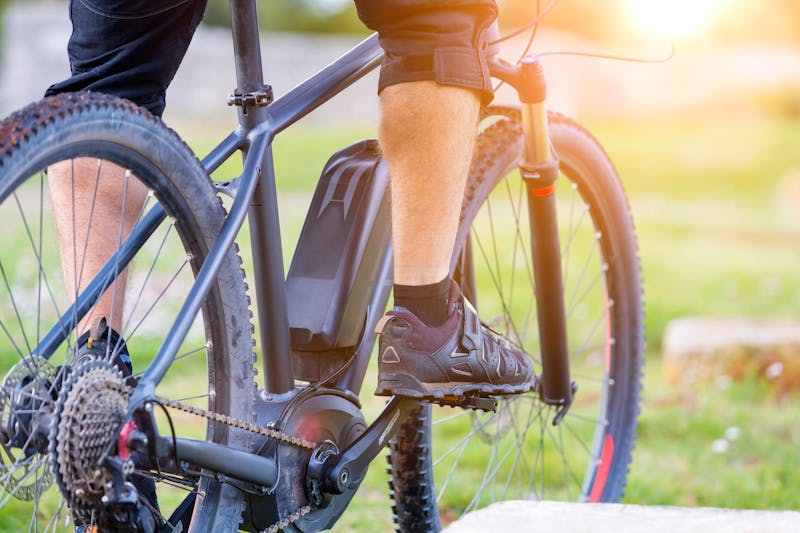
(265, 235)
(247, 58)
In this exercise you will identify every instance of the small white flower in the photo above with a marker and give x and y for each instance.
(733, 433)
(720, 446)
(774, 370)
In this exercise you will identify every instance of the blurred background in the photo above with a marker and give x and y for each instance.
(707, 143)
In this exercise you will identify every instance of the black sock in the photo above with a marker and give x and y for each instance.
(427, 302)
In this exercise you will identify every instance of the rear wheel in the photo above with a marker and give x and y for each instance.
(447, 462)
(48, 141)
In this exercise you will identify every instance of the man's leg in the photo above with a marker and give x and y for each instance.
(427, 135)
(131, 51)
(95, 205)
(432, 344)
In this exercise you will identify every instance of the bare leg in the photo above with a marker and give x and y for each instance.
(427, 135)
(92, 203)
(432, 344)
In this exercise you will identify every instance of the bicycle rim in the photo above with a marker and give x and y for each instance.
(120, 147)
(468, 459)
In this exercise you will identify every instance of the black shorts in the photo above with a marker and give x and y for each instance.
(132, 48)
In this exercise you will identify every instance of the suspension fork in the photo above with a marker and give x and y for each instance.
(539, 170)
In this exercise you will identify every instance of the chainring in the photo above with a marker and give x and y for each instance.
(90, 408)
(30, 380)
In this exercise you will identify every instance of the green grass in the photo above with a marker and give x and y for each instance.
(714, 240)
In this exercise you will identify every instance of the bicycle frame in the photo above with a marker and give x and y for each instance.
(255, 197)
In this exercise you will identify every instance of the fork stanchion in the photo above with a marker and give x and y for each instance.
(539, 170)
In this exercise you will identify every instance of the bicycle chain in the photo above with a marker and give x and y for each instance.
(247, 426)
(235, 422)
(291, 519)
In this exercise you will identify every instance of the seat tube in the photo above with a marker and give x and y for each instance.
(539, 170)
(265, 241)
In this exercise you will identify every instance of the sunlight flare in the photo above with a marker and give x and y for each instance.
(672, 18)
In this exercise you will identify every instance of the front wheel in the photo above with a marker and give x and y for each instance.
(444, 462)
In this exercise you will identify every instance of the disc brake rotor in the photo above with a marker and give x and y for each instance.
(25, 394)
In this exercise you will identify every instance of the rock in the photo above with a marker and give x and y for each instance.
(702, 350)
(546, 517)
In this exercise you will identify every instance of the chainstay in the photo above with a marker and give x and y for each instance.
(235, 422)
(247, 426)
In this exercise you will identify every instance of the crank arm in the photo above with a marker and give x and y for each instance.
(346, 469)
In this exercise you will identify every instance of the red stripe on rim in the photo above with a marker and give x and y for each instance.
(547, 191)
(602, 471)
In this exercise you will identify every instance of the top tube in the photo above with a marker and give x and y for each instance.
(322, 86)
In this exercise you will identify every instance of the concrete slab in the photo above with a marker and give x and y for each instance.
(553, 517)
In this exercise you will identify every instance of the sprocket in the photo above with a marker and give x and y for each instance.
(90, 408)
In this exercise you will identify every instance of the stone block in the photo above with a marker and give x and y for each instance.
(699, 350)
(547, 517)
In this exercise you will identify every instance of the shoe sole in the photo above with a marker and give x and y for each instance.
(408, 386)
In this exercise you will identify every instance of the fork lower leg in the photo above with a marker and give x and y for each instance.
(539, 170)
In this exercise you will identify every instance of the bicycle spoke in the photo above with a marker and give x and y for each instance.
(579, 282)
(195, 397)
(10, 337)
(492, 458)
(582, 349)
(38, 253)
(497, 286)
(518, 238)
(53, 522)
(89, 223)
(120, 238)
(565, 254)
(568, 425)
(158, 298)
(519, 458)
(464, 440)
(494, 243)
(14, 306)
(150, 270)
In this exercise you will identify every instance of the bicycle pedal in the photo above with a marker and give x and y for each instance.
(476, 403)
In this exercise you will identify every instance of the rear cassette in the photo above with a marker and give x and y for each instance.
(90, 408)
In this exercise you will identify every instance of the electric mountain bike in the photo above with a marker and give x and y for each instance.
(545, 252)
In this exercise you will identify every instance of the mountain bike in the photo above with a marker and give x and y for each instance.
(545, 252)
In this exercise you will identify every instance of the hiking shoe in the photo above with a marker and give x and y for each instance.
(462, 357)
(103, 342)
